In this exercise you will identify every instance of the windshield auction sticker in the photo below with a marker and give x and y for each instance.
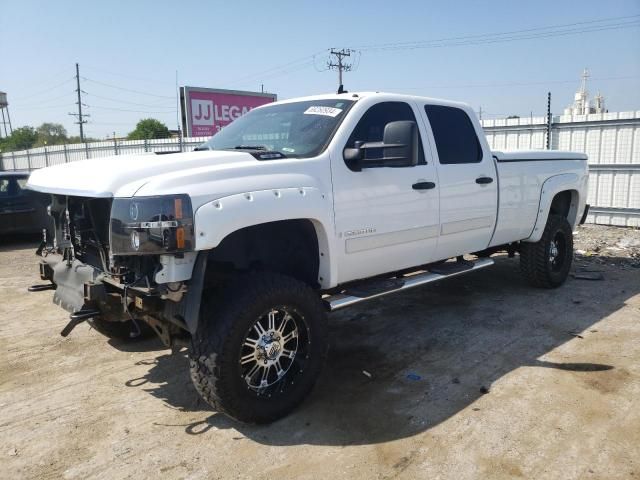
(319, 110)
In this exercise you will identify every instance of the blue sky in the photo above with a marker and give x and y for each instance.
(139, 45)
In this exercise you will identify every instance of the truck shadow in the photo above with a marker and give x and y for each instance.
(403, 364)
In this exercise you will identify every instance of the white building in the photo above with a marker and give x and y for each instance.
(581, 103)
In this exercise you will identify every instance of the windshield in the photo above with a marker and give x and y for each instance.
(297, 129)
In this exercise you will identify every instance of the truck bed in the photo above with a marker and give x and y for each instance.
(521, 176)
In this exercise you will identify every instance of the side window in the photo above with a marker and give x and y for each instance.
(455, 137)
(21, 183)
(4, 187)
(370, 128)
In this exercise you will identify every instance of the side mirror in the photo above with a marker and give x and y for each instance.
(399, 148)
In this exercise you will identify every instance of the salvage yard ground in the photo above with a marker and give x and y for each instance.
(480, 376)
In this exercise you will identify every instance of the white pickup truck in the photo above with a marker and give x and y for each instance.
(239, 249)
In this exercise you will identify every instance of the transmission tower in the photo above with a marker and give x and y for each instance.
(340, 65)
(4, 107)
(80, 116)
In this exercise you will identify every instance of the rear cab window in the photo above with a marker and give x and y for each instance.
(454, 134)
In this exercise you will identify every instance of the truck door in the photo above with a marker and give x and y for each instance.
(468, 182)
(386, 217)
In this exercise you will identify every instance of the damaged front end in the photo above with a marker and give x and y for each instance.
(121, 260)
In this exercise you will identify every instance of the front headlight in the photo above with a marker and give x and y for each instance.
(151, 225)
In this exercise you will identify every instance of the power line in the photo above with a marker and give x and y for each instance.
(277, 69)
(127, 102)
(480, 37)
(513, 38)
(44, 102)
(49, 107)
(100, 107)
(288, 71)
(513, 84)
(46, 90)
(126, 89)
(132, 77)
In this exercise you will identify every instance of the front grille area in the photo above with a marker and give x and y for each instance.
(89, 230)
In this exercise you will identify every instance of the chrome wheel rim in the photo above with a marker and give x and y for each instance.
(271, 349)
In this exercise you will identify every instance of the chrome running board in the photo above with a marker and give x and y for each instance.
(397, 284)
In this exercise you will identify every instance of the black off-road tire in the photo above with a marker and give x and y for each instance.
(227, 316)
(125, 331)
(535, 258)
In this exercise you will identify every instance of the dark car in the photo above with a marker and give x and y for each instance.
(21, 210)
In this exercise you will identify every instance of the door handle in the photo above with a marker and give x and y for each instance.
(423, 186)
(484, 180)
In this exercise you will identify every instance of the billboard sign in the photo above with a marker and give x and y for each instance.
(206, 110)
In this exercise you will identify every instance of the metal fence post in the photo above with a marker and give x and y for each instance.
(13, 155)
(115, 145)
(46, 156)
(28, 160)
(86, 150)
(549, 121)
(66, 155)
(146, 145)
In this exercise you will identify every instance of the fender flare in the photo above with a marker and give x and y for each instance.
(217, 219)
(550, 188)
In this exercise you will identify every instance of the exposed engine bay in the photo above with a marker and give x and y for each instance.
(90, 281)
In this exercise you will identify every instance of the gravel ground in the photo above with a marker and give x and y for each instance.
(616, 242)
(479, 376)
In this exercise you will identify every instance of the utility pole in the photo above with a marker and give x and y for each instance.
(340, 65)
(79, 115)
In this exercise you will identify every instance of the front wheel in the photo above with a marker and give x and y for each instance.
(260, 346)
(546, 263)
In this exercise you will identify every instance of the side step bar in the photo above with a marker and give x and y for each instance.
(404, 282)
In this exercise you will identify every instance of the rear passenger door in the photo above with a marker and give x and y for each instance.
(467, 180)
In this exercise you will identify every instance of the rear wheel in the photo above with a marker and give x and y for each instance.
(546, 263)
(259, 348)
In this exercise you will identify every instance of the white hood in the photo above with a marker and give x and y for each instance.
(124, 175)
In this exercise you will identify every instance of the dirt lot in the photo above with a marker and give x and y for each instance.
(480, 376)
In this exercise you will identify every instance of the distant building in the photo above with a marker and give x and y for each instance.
(581, 103)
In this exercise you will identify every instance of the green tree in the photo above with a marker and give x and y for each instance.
(21, 139)
(51, 134)
(76, 139)
(149, 128)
